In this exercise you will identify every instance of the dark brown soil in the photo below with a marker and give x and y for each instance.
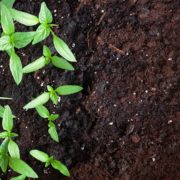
(125, 124)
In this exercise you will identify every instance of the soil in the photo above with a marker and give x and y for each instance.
(125, 123)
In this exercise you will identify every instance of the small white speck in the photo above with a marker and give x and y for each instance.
(127, 54)
(134, 93)
(170, 121)
(102, 11)
(115, 105)
(153, 159)
(42, 84)
(44, 72)
(26, 127)
(73, 45)
(111, 123)
(146, 91)
(170, 59)
(59, 99)
(38, 77)
(55, 10)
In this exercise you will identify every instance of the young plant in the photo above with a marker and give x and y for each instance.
(45, 29)
(44, 113)
(45, 60)
(52, 95)
(49, 160)
(9, 150)
(11, 40)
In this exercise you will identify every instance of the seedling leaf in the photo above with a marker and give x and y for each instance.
(40, 100)
(36, 65)
(6, 20)
(68, 89)
(3, 135)
(24, 18)
(22, 39)
(4, 160)
(61, 63)
(46, 51)
(5, 43)
(21, 177)
(8, 3)
(60, 167)
(45, 15)
(7, 122)
(13, 149)
(16, 68)
(22, 168)
(63, 49)
(39, 155)
(1, 111)
(41, 33)
(42, 111)
(53, 132)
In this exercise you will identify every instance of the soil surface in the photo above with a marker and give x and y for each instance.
(125, 123)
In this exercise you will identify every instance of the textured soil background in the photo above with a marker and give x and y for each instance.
(124, 125)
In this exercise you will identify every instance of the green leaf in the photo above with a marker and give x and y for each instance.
(53, 132)
(42, 111)
(22, 39)
(41, 34)
(35, 65)
(60, 167)
(53, 117)
(63, 49)
(39, 155)
(40, 100)
(45, 15)
(13, 149)
(68, 89)
(5, 43)
(8, 3)
(4, 146)
(46, 52)
(54, 97)
(3, 135)
(24, 18)
(16, 68)
(6, 20)
(21, 177)
(61, 63)
(1, 111)
(21, 167)
(4, 160)
(7, 122)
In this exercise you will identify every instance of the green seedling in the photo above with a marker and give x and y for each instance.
(20, 16)
(52, 95)
(45, 29)
(10, 40)
(45, 60)
(49, 160)
(9, 150)
(44, 113)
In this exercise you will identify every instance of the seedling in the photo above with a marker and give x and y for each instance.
(49, 160)
(44, 113)
(9, 150)
(45, 60)
(45, 29)
(53, 95)
(11, 40)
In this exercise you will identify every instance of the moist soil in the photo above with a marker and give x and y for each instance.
(124, 125)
